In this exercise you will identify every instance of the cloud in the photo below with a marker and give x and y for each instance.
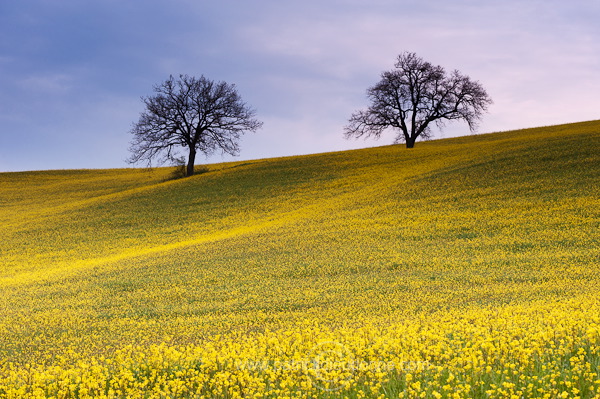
(54, 84)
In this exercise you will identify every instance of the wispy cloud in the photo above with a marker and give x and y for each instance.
(55, 83)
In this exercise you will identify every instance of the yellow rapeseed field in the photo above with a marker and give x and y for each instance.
(464, 268)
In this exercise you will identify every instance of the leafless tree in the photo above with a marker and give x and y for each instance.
(194, 113)
(415, 94)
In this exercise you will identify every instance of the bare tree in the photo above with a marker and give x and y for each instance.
(194, 113)
(415, 94)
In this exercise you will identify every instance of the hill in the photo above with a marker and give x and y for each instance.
(465, 266)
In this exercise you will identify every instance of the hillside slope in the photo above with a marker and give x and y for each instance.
(93, 261)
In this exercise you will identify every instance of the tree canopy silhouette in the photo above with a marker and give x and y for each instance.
(415, 94)
(194, 113)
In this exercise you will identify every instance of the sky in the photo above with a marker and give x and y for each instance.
(72, 72)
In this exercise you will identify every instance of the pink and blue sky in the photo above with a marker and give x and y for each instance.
(72, 71)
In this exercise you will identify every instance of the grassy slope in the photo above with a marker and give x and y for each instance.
(95, 260)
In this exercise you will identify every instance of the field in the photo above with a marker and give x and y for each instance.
(464, 268)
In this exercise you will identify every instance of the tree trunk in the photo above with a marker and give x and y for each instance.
(191, 161)
(410, 142)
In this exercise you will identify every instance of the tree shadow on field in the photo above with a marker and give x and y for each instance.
(179, 172)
